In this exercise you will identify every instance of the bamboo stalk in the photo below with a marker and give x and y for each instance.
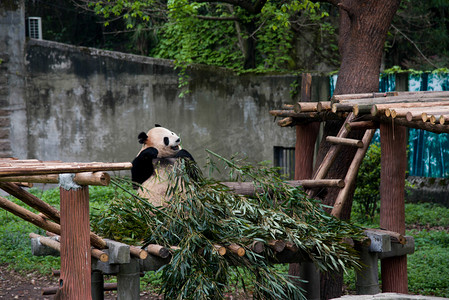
(138, 252)
(158, 250)
(41, 169)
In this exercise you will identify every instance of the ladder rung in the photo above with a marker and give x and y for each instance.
(344, 141)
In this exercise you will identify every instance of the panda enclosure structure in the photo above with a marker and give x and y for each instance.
(83, 252)
(392, 113)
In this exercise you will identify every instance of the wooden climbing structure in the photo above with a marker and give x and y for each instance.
(392, 113)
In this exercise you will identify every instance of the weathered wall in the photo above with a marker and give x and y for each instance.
(12, 82)
(89, 105)
(60, 102)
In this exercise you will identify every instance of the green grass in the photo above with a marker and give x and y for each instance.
(428, 267)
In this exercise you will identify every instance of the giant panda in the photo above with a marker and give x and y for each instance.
(149, 172)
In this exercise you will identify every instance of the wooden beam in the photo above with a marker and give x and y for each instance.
(54, 244)
(13, 169)
(75, 278)
(86, 178)
(392, 209)
(31, 200)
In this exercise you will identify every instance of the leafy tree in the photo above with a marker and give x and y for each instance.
(234, 34)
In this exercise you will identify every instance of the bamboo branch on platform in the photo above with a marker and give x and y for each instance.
(248, 188)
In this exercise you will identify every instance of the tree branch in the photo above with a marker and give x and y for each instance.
(217, 18)
(246, 5)
(414, 44)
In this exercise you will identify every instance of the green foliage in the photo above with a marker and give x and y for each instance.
(427, 214)
(205, 212)
(220, 34)
(428, 267)
(367, 195)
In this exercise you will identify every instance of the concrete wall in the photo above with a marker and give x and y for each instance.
(68, 103)
(12, 79)
(89, 105)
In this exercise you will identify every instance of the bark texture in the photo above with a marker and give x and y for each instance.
(75, 279)
(363, 28)
(393, 143)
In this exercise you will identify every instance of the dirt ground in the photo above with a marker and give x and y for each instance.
(14, 285)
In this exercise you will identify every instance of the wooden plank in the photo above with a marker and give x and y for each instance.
(86, 178)
(40, 169)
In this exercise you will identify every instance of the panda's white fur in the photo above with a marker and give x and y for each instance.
(151, 167)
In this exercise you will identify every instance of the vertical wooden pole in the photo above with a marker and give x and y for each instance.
(392, 208)
(75, 278)
(306, 136)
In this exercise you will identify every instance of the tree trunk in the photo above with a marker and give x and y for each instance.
(362, 34)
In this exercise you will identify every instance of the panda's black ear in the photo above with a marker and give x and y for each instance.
(157, 125)
(142, 137)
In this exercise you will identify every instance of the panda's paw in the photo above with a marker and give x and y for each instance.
(184, 154)
(149, 153)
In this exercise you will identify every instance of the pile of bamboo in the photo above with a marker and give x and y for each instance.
(423, 110)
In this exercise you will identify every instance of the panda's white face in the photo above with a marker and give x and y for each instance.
(164, 140)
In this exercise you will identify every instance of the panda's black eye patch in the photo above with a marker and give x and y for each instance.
(166, 141)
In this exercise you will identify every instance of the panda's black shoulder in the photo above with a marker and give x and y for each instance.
(142, 166)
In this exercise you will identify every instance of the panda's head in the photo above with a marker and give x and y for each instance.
(165, 141)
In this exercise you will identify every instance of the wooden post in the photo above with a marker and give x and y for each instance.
(75, 278)
(306, 135)
(392, 209)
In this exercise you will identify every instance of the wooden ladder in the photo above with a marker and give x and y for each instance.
(337, 142)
